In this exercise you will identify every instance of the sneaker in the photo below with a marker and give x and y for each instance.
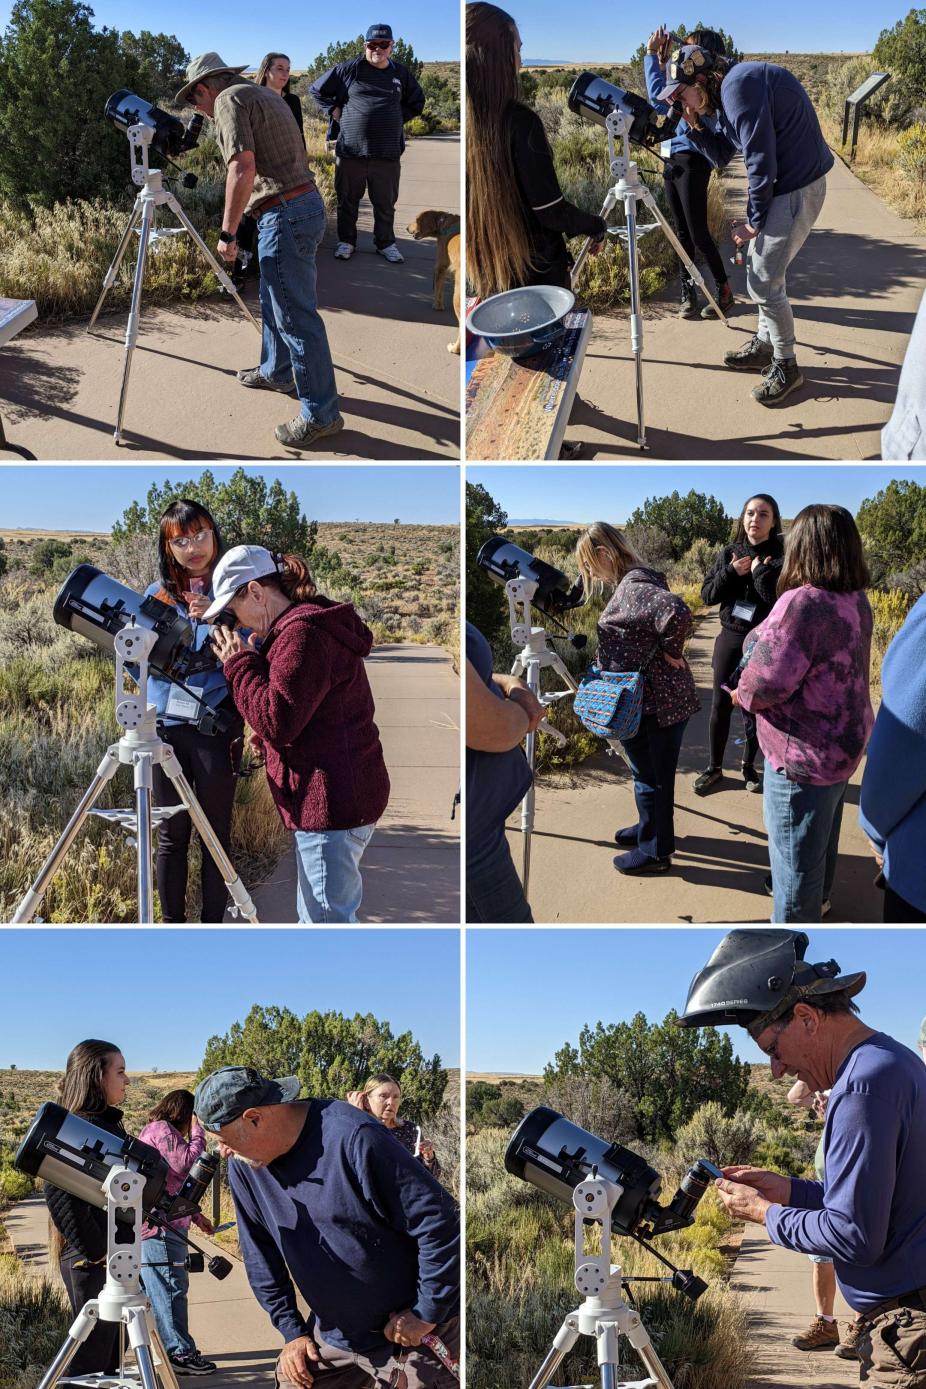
(706, 780)
(755, 355)
(190, 1362)
(300, 433)
(848, 1346)
(391, 253)
(751, 778)
(252, 377)
(779, 380)
(724, 297)
(688, 308)
(628, 838)
(820, 1335)
(639, 863)
(343, 251)
(825, 909)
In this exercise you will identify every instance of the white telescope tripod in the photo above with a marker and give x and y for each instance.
(151, 195)
(121, 1300)
(629, 188)
(603, 1315)
(140, 748)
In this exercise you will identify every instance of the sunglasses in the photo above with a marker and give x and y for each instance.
(183, 542)
(382, 46)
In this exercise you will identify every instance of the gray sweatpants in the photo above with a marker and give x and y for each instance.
(787, 227)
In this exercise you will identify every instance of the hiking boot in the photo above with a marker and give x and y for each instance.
(190, 1362)
(755, 355)
(706, 780)
(391, 253)
(820, 1335)
(300, 433)
(724, 297)
(251, 376)
(825, 909)
(343, 251)
(629, 837)
(779, 380)
(848, 1346)
(751, 778)
(639, 863)
(688, 308)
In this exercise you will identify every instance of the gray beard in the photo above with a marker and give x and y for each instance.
(248, 1162)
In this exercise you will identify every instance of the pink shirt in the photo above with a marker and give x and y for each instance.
(180, 1154)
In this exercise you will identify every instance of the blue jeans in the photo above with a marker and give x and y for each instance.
(329, 886)
(295, 344)
(493, 888)
(803, 824)
(167, 1287)
(653, 758)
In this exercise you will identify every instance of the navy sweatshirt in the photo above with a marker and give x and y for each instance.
(375, 103)
(355, 1222)
(768, 116)
(868, 1214)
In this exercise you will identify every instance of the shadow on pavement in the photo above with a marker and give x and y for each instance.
(415, 871)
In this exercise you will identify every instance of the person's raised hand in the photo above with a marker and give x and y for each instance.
(656, 42)
(743, 1202)
(772, 1185)
(357, 1098)
(742, 565)
(405, 1329)
(426, 1150)
(196, 604)
(295, 1362)
(226, 643)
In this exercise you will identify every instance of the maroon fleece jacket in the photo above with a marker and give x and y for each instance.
(306, 694)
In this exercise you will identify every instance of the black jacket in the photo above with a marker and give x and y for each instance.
(295, 105)
(82, 1226)
(758, 588)
(375, 104)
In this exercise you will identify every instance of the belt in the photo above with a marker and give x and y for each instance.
(279, 198)
(915, 1299)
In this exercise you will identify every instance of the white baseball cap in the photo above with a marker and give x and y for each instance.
(236, 568)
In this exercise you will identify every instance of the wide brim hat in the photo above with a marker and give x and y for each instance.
(206, 65)
(683, 68)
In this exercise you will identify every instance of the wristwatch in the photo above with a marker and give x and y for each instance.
(227, 237)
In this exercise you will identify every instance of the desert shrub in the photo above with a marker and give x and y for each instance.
(694, 564)
(911, 153)
(14, 1186)
(419, 125)
(594, 1103)
(723, 1139)
(34, 1318)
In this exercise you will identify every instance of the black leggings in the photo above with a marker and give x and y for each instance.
(209, 764)
(686, 194)
(728, 650)
(100, 1352)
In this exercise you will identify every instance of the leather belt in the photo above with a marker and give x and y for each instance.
(915, 1299)
(279, 198)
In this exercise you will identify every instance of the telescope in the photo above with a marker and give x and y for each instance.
(170, 137)
(594, 99)
(502, 560)
(551, 1153)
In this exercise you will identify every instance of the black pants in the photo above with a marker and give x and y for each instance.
(379, 178)
(728, 649)
(686, 194)
(100, 1351)
(209, 765)
(898, 912)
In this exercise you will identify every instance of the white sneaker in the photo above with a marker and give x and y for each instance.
(392, 254)
(343, 251)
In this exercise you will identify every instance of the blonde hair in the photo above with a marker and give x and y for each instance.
(601, 535)
(381, 1079)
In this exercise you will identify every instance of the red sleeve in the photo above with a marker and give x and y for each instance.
(278, 698)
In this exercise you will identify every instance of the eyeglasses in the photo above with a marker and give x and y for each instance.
(183, 542)
(772, 1052)
(382, 46)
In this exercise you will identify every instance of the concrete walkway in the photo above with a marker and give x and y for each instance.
(399, 386)
(226, 1321)
(721, 856)
(411, 871)
(855, 289)
(779, 1293)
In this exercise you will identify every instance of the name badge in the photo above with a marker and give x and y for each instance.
(665, 148)
(744, 611)
(181, 704)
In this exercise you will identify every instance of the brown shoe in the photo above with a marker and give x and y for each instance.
(848, 1346)
(820, 1335)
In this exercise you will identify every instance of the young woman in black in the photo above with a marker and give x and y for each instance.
(93, 1086)
(744, 581)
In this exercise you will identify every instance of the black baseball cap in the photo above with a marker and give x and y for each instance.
(223, 1097)
(381, 33)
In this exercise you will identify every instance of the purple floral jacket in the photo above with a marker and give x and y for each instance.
(806, 681)
(643, 614)
(180, 1155)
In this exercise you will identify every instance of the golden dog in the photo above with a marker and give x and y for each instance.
(445, 226)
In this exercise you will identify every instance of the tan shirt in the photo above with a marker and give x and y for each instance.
(247, 117)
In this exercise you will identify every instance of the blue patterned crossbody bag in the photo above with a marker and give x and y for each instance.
(609, 703)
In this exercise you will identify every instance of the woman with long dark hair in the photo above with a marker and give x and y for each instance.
(306, 696)
(93, 1086)
(806, 680)
(174, 1130)
(517, 216)
(744, 581)
(189, 547)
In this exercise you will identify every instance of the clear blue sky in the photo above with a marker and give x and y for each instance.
(91, 499)
(160, 995)
(612, 492)
(528, 992)
(242, 32)
(598, 33)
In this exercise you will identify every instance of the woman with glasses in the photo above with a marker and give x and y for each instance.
(198, 719)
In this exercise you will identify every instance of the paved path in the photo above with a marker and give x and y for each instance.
(777, 1285)
(855, 288)
(721, 856)
(411, 871)
(400, 388)
(226, 1321)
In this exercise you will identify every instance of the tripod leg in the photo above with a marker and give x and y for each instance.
(143, 782)
(211, 842)
(638, 1336)
(110, 277)
(86, 1320)
(647, 197)
(140, 1341)
(532, 679)
(33, 898)
(131, 332)
(580, 259)
(636, 318)
(165, 1370)
(563, 1342)
(221, 275)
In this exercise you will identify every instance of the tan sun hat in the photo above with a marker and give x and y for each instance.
(206, 65)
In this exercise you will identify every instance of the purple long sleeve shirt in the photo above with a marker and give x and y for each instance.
(868, 1214)
(806, 681)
